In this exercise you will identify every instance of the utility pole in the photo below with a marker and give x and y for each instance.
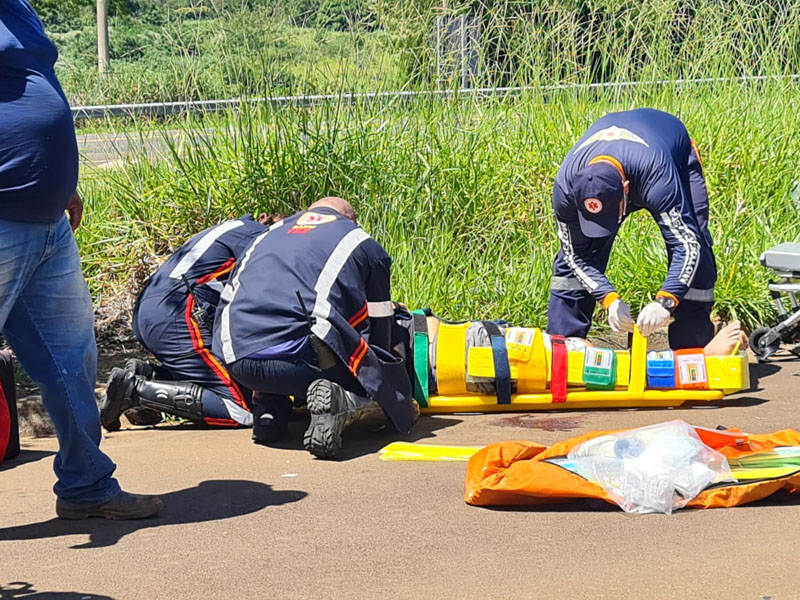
(102, 36)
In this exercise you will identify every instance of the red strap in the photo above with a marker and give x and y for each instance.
(5, 425)
(558, 370)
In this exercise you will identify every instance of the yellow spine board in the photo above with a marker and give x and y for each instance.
(727, 374)
(574, 367)
(480, 363)
(451, 345)
(576, 399)
(532, 375)
(638, 379)
(623, 368)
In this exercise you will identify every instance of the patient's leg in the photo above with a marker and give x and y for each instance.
(726, 340)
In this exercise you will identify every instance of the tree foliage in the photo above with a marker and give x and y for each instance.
(60, 13)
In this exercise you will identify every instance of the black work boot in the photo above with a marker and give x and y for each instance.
(140, 415)
(180, 398)
(126, 391)
(139, 367)
(119, 398)
(270, 418)
(332, 410)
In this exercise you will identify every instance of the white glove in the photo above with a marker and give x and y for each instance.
(653, 317)
(619, 316)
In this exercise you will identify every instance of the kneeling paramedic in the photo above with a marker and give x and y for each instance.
(173, 319)
(308, 313)
(627, 161)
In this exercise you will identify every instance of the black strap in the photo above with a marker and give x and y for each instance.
(502, 368)
(420, 323)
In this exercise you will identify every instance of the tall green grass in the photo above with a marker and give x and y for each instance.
(587, 41)
(458, 191)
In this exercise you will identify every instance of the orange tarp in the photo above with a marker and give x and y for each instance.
(515, 474)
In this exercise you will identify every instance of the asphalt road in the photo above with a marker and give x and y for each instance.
(243, 521)
(112, 149)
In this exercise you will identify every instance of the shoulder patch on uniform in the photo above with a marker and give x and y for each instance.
(593, 205)
(613, 134)
(301, 228)
(313, 218)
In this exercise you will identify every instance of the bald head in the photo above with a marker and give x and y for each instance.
(340, 205)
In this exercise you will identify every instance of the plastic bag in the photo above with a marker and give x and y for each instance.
(658, 468)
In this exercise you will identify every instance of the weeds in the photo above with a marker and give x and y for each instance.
(458, 191)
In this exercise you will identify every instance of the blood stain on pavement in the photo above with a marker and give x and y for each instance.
(544, 423)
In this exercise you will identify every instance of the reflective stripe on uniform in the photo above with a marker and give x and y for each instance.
(569, 255)
(229, 293)
(700, 295)
(380, 309)
(691, 246)
(329, 275)
(566, 283)
(216, 285)
(237, 413)
(201, 247)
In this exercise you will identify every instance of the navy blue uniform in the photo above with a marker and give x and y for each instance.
(653, 150)
(343, 277)
(175, 311)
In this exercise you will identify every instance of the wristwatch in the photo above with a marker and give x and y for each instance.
(667, 302)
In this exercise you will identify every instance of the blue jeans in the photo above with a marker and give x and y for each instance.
(46, 316)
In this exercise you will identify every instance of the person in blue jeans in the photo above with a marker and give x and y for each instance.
(45, 307)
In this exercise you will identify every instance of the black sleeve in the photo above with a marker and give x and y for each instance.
(379, 303)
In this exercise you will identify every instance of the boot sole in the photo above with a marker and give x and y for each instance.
(323, 438)
(114, 400)
(143, 417)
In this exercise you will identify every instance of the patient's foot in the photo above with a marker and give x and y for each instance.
(433, 326)
(726, 340)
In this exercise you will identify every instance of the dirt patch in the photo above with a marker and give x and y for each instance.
(115, 343)
(619, 341)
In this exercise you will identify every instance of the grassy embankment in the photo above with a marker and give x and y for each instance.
(457, 191)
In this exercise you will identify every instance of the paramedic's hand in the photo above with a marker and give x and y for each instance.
(653, 317)
(619, 316)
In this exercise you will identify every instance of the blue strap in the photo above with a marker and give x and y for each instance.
(502, 368)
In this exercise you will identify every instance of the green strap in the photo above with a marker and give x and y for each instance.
(420, 358)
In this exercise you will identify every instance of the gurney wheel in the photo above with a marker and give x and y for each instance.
(762, 350)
